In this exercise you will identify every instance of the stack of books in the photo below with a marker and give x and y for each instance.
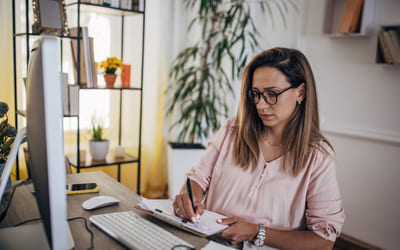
(389, 44)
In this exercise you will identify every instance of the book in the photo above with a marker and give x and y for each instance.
(135, 4)
(394, 37)
(86, 56)
(162, 209)
(351, 17)
(141, 5)
(114, 3)
(73, 93)
(88, 76)
(383, 47)
(65, 93)
(126, 4)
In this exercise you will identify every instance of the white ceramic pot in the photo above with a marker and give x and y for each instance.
(99, 149)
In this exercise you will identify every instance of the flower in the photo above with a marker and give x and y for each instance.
(7, 133)
(111, 65)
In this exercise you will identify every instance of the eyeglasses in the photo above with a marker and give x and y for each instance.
(269, 96)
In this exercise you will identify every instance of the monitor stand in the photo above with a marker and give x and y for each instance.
(29, 236)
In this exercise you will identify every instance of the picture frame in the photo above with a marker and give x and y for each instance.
(49, 17)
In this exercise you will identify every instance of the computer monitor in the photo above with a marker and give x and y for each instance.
(45, 139)
(44, 117)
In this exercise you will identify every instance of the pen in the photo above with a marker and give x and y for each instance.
(160, 211)
(189, 188)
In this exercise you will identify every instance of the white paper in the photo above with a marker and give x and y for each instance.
(208, 221)
(212, 245)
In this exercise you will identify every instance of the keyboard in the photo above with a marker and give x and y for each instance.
(136, 232)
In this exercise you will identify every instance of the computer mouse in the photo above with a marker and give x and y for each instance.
(98, 202)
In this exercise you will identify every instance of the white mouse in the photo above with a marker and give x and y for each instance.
(98, 202)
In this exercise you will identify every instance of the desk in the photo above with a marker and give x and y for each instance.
(23, 207)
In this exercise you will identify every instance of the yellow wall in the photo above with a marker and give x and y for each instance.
(6, 63)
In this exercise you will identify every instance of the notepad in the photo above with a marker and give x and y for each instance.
(163, 210)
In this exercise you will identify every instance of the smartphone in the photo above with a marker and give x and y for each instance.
(82, 188)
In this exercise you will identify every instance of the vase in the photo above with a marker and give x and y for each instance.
(99, 149)
(2, 165)
(110, 80)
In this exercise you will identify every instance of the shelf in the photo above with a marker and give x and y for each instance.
(23, 113)
(105, 88)
(89, 7)
(334, 10)
(110, 160)
(38, 34)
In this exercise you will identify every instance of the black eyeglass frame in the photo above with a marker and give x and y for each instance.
(251, 91)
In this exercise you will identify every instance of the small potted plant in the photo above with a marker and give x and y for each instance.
(98, 146)
(109, 67)
(7, 137)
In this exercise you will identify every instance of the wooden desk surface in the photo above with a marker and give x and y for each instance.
(23, 207)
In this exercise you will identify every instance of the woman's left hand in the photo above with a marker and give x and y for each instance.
(238, 230)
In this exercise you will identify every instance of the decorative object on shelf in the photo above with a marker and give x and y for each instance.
(82, 155)
(56, 23)
(98, 146)
(126, 76)
(110, 80)
(109, 68)
(199, 86)
(7, 137)
(119, 151)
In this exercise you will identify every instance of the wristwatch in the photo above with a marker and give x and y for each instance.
(260, 238)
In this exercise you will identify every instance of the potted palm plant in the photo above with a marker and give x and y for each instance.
(98, 146)
(201, 75)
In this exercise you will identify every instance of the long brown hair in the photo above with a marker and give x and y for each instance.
(301, 133)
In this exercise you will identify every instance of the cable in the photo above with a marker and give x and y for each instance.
(4, 213)
(87, 228)
(27, 221)
(70, 219)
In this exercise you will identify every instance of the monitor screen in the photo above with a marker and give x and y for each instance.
(45, 138)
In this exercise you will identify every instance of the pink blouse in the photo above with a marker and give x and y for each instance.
(310, 200)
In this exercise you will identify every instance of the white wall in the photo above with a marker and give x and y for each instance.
(359, 102)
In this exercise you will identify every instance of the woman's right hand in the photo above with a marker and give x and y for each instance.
(183, 207)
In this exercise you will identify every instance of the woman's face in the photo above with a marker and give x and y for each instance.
(271, 81)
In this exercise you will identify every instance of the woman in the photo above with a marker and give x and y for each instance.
(269, 169)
